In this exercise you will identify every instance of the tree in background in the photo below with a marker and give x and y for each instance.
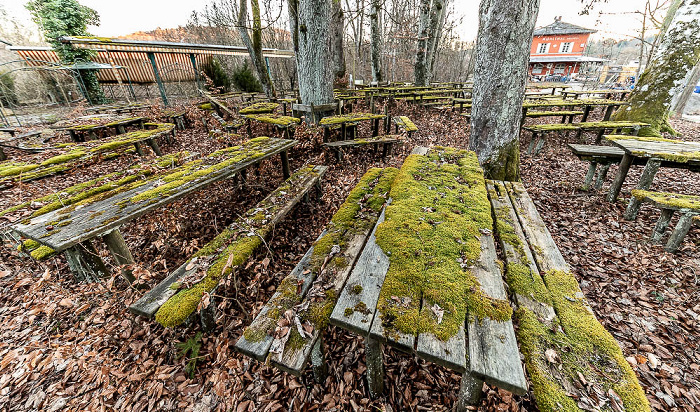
(58, 18)
(244, 80)
(253, 42)
(314, 57)
(218, 80)
(500, 73)
(338, 31)
(667, 73)
(376, 40)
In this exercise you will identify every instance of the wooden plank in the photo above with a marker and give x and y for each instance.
(103, 215)
(451, 353)
(371, 140)
(295, 188)
(493, 350)
(363, 286)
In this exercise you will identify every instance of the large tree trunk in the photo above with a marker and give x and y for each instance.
(420, 68)
(376, 38)
(676, 55)
(293, 11)
(500, 72)
(437, 20)
(338, 29)
(680, 101)
(254, 45)
(315, 60)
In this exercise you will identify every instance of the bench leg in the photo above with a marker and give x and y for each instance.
(207, 316)
(85, 263)
(318, 363)
(586, 111)
(138, 148)
(156, 149)
(531, 146)
(608, 113)
(679, 232)
(599, 137)
(120, 252)
(338, 154)
(620, 178)
(285, 165)
(644, 182)
(661, 225)
(540, 144)
(589, 176)
(602, 173)
(3, 156)
(375, 367)
(469, 392)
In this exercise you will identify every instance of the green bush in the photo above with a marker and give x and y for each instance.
(7, 89)
(244, 79)
(216, 76)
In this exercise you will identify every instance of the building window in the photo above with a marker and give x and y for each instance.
(566, 47)
(537, 68)
(559, 68)
(543, 48)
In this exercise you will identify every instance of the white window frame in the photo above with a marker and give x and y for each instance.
(566, 47)
(542, 46)
(559, 68)
(537, 68)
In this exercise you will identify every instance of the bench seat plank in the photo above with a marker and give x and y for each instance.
(274, 208)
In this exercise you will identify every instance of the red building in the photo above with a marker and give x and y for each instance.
(557, 49)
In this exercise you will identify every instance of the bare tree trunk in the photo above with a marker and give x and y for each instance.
(682, 100)
(254, 45)
(420, 68)
(315, 59)
(500, 72)
(376, 37)
(338, 29)
(293, 10)
(676, 55)
(437, 19)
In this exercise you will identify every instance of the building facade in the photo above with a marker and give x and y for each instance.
(557, 50)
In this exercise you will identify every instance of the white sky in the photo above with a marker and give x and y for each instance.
(119, 17)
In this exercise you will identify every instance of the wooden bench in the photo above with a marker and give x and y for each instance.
(687, 206)
(71, 228)
(539, 131)
(405, 124)
(386, 141)
(565, 114)
(284, 124)
(567, 351)
(289, 327)
(259, 108)
(178, 118)
(346, 124)
(175, 298)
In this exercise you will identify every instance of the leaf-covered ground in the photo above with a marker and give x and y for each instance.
(74, 346)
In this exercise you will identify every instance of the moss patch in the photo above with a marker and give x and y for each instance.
(262, 107)
(672, 200)
(275, 119)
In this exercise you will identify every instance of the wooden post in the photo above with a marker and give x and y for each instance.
(318, 364)
(139, 150)
(207, 316)
(620, 178)
(151, 142)
(3, 156)
(608, 112)
(682, 228)
(586, 111)
(601, 176)
(85, 263)
(469, 392)
(540, 144)
(589, 176)
(661, 225)
(120, 252)
(375, 367)
(285, 165)
(644, 182)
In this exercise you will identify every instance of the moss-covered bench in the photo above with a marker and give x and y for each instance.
(259, 108)
(288, 329)
(178, 118)
(687, 206)
(346, 124)
(285, 124)
(386, 141)
(572, 362)
(78, 133)
(405, 124)
(178, 296)
(567, 116)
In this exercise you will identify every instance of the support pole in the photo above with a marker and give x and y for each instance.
(469, 392)
(285, 165)
(620, 178)
(318, 364)
(159, 81)
(661, 225)
(120, 252)
(375, 367)
(644, 182)
(196, 71)
(682, 228)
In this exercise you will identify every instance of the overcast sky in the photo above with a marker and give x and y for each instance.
(119, 17)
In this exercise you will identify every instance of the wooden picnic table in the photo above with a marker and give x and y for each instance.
(587, 104)
(70, 229)
(673, 153)
(77, 133)
(606, 93)
(347, 123)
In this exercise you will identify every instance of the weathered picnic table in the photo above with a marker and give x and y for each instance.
(673, 153)
(78, 132)
(347, 124)
(605, 93)
(71, 228)
(586, 104)
(118, 108)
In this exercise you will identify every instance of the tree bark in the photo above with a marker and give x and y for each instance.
(293, 10)
(376, 37)
(254, 44)
(437, 19)
(676, 55)
(315, 59)
(682, 100)
(338, 29)
(420, 68)
(500, 73)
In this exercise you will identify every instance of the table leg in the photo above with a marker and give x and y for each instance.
(601, 176)
(285, 165)
(644, 182)
(139, 150)
(151, 142)
(375, 367)
(682, 228)
(207, 316)
(608, 113)
(120, 252)
(661, 225)
(620, 178)
(586, 111)
(318, 364)
(85, 263)
(589, 176)
(470, 391)
(3, 156)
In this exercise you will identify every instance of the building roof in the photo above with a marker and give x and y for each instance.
(560, 27)
(556, 59)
